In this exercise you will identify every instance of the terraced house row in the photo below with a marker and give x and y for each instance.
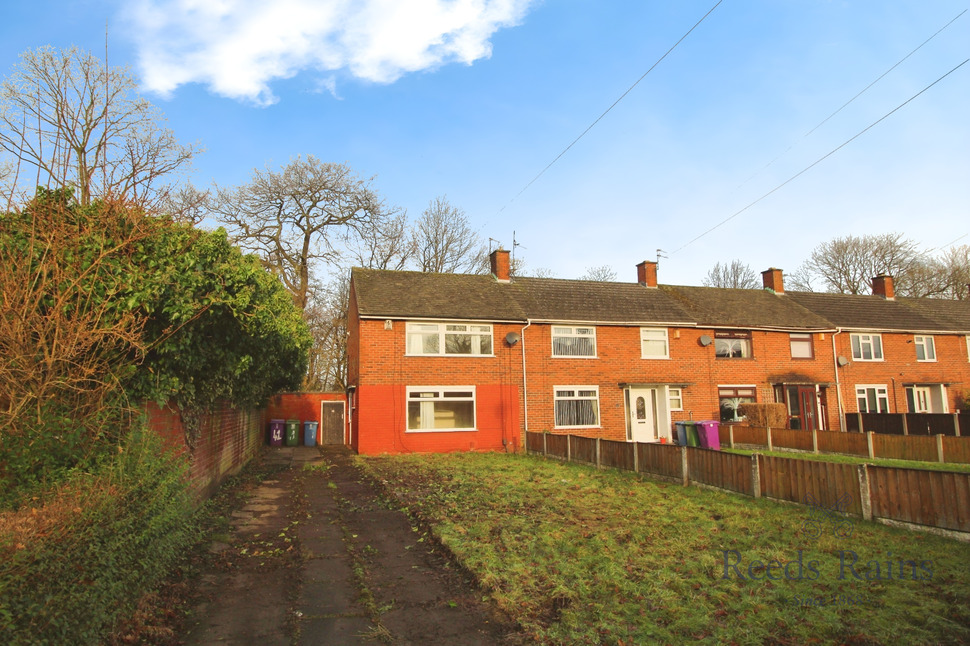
(445, 362)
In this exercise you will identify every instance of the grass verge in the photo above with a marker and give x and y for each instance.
(581, 556)
(853, 459)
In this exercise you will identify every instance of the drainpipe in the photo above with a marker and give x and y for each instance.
(838, 382)
(525, 382)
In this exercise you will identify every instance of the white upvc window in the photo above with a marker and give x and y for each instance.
(925, 348)
(866, 347)
(441, 408)
(968, 347)
(801, 346)
(653, 343)
(872, 398)
(436, 339)
(576, 406)
(573, 341)
(732, 344)
(675, 398)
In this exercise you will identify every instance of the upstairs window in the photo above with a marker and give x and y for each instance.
(449, 339)
(801, 346)
(573, 341)
(866, 347)
(577, 406)
(925, 348)
(653, 343)
(732, 345)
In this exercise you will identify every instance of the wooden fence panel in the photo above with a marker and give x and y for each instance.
(750, 435)
(934, 498)
(832, 485)
(888, 423)
(660, 459)
(724, 435)
(904, 447)
(583, 449)
(556, 445)
(956, 449)
(801, 440)
(533, 442)
(722, 470)
(837, 442)
(618, 455)
(929, 424)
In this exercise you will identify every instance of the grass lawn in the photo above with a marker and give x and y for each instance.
(854, 459)
(581, 556)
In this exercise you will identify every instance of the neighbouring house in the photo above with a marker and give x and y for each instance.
(446, 362)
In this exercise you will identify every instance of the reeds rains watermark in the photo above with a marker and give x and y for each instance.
(844, 565)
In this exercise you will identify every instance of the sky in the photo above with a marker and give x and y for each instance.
(681, 126)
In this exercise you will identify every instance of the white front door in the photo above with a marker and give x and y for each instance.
(643, 414)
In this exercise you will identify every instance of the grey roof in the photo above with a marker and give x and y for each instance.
(412, 294)
(869, 312)
(745, 308)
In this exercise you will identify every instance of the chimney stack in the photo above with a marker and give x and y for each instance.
(882, 285)
(647, 273)
(498, 261)
(772, 280)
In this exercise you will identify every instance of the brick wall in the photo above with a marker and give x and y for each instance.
(227, 439)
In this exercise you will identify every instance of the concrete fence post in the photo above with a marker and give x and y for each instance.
(731, 435)
(770, 445)
(864, 494)
(599, 464)
(859, 417)
(872, 453)
(569, 448)
(939, 447)
(685, 477)
(814, 440)
(755, 476)
(545, 451)
(956, 425)
(636, 457)
(905, 424)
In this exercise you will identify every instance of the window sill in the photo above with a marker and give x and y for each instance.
(572, 428)
(441, 430)
(560, 356)
(451, 356)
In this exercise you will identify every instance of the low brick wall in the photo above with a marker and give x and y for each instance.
(221, 443)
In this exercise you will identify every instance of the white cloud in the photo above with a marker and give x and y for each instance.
(238, 47)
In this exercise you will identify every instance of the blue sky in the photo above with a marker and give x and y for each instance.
(473, 98)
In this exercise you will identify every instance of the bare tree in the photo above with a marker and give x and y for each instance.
(292, 218)
(736, 275)
(386, 243)
(68, 120)
(444, 241)
(326, 314)
(955, 268)
(603, 273)
(187, 204)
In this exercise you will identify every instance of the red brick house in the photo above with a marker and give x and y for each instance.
(445, 362)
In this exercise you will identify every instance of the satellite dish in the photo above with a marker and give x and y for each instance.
(705, 340)
(512, 338)
(842, 361)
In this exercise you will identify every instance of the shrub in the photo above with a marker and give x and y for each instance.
(73, 565)
(773, 415)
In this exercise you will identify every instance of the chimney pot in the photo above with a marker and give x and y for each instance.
(882, 285)
(498, 261)
(647, 273)
(773, 279)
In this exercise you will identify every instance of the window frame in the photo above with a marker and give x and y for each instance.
(920, 341)
(744, 336)
(440, 390)
(443, 332)
(879, 396)
(803, 339)
(874, 339)
(572, 334)
(666, 342)
(576, 389)
(671, 397)
(736, 393)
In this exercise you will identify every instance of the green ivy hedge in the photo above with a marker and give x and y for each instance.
(78, 561)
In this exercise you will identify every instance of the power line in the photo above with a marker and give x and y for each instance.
(622, 96)
(863, 91)
(823, 158)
